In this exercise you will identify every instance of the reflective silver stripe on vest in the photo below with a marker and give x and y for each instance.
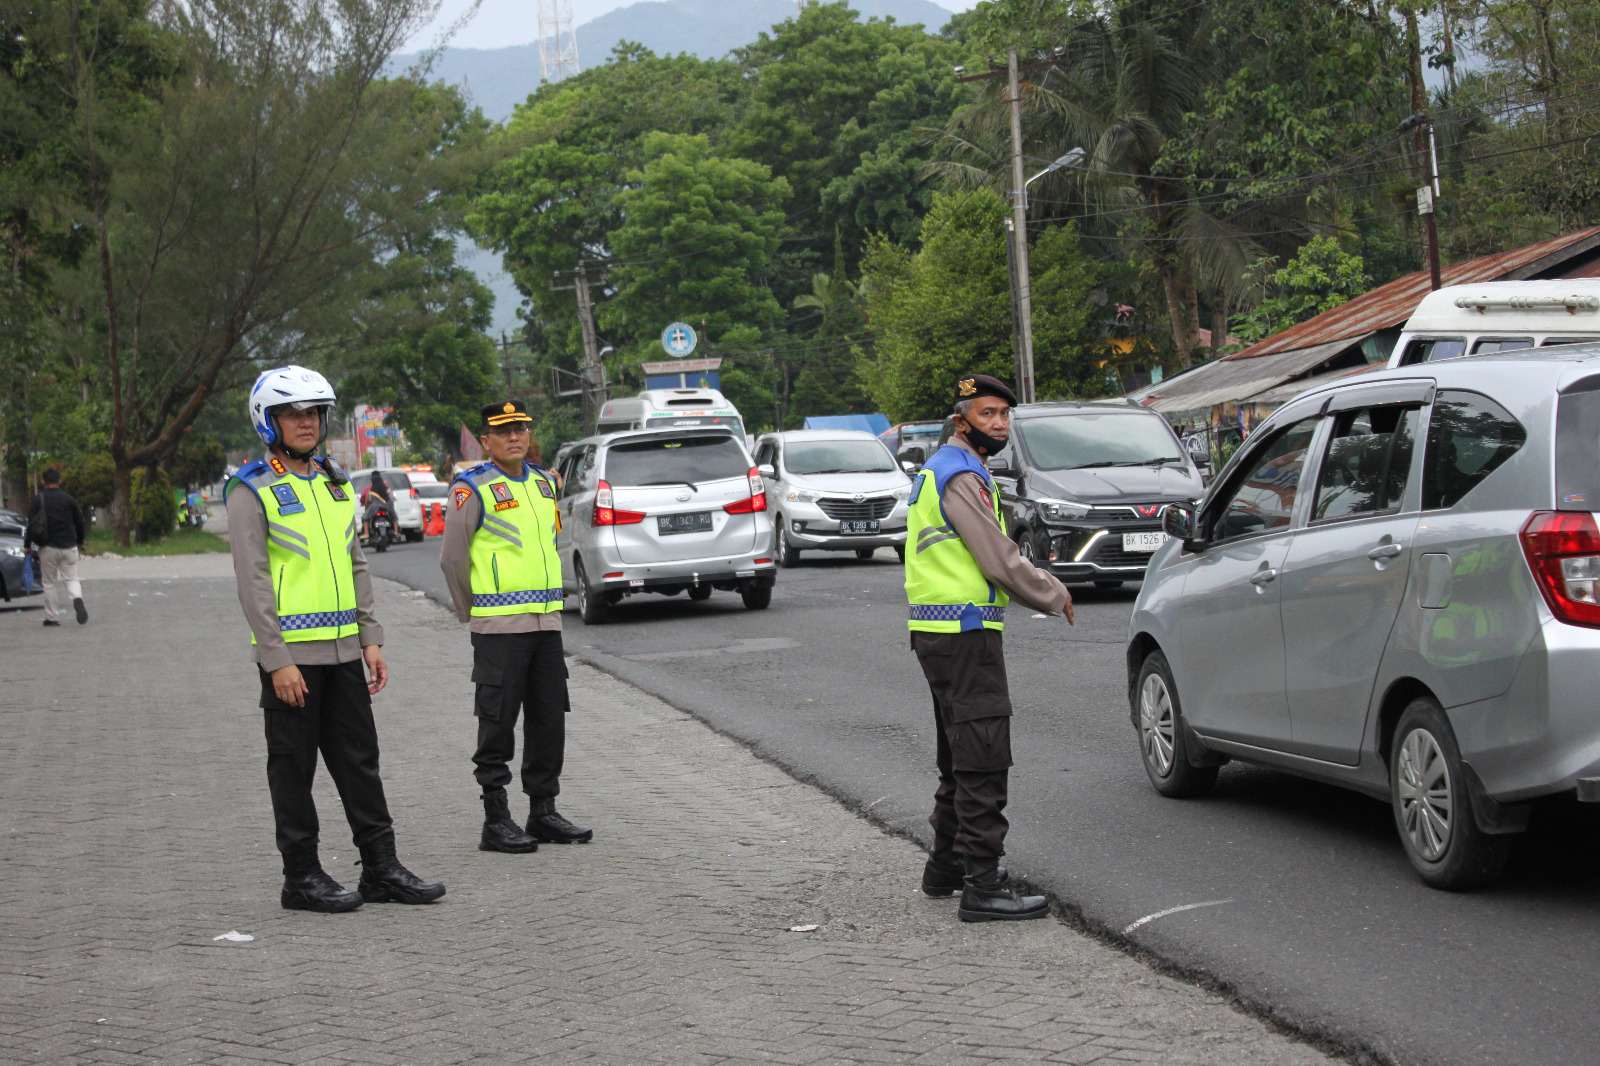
(286, 538)
(932, 535)
(502, 529)
(951, 612)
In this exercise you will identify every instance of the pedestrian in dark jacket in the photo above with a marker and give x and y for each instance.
(56, 527)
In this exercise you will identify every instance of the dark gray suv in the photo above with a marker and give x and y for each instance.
(1084, 484)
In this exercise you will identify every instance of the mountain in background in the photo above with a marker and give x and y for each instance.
(498, 79)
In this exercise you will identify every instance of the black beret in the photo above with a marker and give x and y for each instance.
(971, 386)
(503, 412)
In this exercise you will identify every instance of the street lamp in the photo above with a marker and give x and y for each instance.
(1019, 236)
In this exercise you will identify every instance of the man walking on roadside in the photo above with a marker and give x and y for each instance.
(56, 527)
(961, 570)
(307, 596)
(499, 560)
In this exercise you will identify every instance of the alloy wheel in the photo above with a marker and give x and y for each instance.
(1025, 546)
(1426, 801)
(1156, 723)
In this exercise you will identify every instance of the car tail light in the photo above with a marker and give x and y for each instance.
(756, 501)
(1563, 550)
(413, 494)
(606, 515)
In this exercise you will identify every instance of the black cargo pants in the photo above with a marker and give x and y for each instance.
(520, 672)
(337, 721)
(966, 673)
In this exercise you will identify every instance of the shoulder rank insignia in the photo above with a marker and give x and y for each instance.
(545, 490)
(462, 495)
(336, 491)
(288, 502)
(277, 466)
(502, 491)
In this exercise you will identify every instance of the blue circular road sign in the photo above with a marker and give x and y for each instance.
(679, 339)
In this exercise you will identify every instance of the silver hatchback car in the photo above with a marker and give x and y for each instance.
(834, 490)
(1394, 586)
(662, 511)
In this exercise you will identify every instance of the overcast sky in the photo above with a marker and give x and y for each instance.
(500, 23)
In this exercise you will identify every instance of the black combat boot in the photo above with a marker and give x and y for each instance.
(307, 887)
(944, 875)
(384, 880)
(989, 896)
(548, 827)
(500, 831)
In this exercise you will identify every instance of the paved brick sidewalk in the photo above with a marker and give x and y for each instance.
(134, 828)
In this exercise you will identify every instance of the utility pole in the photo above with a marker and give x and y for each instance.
(594, 371)
(505, 361)
(1428, 153)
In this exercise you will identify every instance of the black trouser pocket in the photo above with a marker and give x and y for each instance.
(285, 730)
(489, 702)
(980, 745)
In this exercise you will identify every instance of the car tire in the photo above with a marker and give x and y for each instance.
(413, 536)
(900, 552)
(864, 553)
(1163, 742)
(756, 597)
(592, 608)
(1432, 804)
(700, 592)
(785, 553)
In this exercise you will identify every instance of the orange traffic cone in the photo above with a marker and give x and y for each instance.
(434, 527)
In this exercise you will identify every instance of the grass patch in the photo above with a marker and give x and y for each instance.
(181, 542)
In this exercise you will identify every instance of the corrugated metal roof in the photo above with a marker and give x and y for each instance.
(1281, 394)
(1235, 379)
(1391, 304)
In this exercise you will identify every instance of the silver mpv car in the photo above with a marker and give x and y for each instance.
(662, 511)
(1394, 586)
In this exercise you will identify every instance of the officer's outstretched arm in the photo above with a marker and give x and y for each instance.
(970, 509)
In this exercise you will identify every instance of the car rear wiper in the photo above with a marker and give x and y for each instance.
(692, 486)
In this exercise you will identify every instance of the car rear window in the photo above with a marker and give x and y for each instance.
(1469, 436)
(675, 461)
(1578, 447)
(397, 479)
(433, 490)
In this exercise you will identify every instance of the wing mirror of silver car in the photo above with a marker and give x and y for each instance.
(908, 466)
(767, 470)
(1178, 522)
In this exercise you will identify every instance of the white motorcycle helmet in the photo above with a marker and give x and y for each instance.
(288, 386)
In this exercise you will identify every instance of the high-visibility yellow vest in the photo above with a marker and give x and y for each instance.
(311, 538)
(515, 568)
(947, 591)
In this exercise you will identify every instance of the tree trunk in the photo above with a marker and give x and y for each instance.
(1191, 318)
(122, 504)
(1219, 328)
(1169, 286)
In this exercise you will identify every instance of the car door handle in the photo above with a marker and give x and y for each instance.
(1264, 576)
(1386, 551)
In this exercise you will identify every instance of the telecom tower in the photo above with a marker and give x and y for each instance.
(558, 43)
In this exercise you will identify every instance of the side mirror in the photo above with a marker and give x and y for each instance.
(908, 466)
(998, 464)
(767, 470)
(1179, 523)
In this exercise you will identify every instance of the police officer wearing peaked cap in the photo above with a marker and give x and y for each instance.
(307, 596)
(499, 560)
(961, 571)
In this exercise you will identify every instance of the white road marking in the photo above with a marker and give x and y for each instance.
(1147, 919)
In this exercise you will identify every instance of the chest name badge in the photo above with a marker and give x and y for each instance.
(545, 490)
(288, 502)
(337, 492)
(506, 505)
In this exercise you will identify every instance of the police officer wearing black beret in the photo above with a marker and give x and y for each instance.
(961, 571)
(499, 560)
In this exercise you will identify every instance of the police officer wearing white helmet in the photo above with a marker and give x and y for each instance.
(307, 597)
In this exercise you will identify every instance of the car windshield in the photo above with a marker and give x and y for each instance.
(685, 460)
(837, 457)
(1070, 442)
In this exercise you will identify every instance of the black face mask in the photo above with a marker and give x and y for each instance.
(983, 442)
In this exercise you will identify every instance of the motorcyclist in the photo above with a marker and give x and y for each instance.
(376, 499)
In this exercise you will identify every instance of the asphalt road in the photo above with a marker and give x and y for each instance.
(1309, 910)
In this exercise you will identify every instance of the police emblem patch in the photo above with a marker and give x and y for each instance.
(968, 386)
(462, 494)
(336, 491)
(502, 491)
(988, 501)
(288, 502)
(545, 490)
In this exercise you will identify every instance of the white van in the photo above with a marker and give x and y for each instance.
(1499, 316)
(669, 409)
